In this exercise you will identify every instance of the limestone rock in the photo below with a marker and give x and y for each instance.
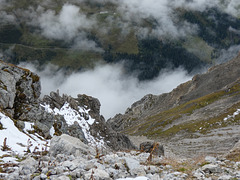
(68, 145)
(211, 168)
(28, 166)
(17, 86)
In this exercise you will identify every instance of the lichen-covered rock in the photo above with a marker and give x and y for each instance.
(17, 85)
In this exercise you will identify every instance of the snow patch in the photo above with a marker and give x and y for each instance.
(232, 116)
(52, 131)
(28, 126)
(17, 140)
(71, 115)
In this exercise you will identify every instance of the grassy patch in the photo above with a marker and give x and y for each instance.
(76, 59)
(199, 48)
(234, 156)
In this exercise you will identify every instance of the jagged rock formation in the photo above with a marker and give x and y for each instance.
(20, 92)
(201, 114)
(98, 128)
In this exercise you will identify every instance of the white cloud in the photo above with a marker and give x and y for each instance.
(109, 84)
(233, 7)
(227, 54)
(6, 17)
(163, 12)
(65, 25)
(81, 42)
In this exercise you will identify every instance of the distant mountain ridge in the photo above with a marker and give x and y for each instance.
(203, 110)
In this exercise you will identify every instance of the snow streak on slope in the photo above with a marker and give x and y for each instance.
(70, 115)
(232, 116)
(16, 140)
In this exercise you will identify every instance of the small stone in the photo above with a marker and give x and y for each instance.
(199, 174)
(37, 178)
(132, 163)
(237, 165)
(153, 177)
(43, 176)
(152, 169)
(44, 170)
(210, 159)
(60, 170)
(62, 178)
(139, 171)
(225, 177)
(210, 168)
(97, 174)
(168, 167)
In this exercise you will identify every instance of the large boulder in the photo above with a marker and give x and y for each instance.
(69, 145)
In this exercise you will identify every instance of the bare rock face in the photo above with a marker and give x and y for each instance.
(17, 86)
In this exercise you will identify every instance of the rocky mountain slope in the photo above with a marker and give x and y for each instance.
(60, 137)
(69, 158)
(200, 116)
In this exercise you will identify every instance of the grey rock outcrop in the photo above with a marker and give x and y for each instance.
(18, 87)
(20, 91)
(98, 129)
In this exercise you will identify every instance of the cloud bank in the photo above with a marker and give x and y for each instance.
(71, 24)
(164, 12)
(109, 84)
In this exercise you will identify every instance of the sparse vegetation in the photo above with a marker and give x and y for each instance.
(160, 124)
(5, 147)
